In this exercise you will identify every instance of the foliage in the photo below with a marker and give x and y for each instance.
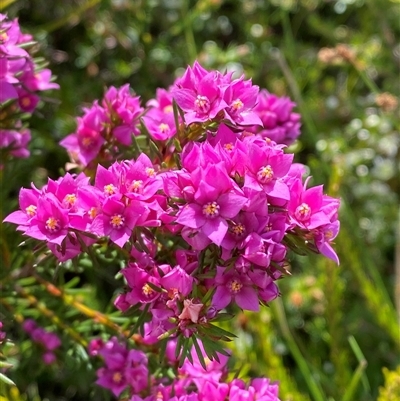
(334, 328)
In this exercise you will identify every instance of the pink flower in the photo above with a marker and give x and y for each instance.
(138, 281)
(305, 206)
(241, 97)
(87, 141)
(266, 168)
(28, 199)
(179, 280)
(199, 94)
(216, 199)
(39, 81)
(118, 219)
(124, 111)
(323, 238)
(191, 310)
(50, 222)
(15, 142)
(160, 126)
(280, 124)
(233, 286)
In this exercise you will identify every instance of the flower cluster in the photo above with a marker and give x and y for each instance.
(47, 340)
(204, 222)
(279, 122)
(127, 370)
(123, 368)
(105, 127)
(204, 96)
(21, 78)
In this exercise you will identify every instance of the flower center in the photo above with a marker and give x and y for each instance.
(238, 230)
(92, 213)
(229, 147)
(211, 210)
(31, 210)
(117, 221)
(87, 142)
(265, 174)
(236, 106)
(150, 171)
(168, 109)
(303, 212)
(136, 185)
(70, 200)
(3, 37)
(109, 189)
(147, 290)
(164, 128)
(234, 286)
(52, 224)
(328, 234)
(25, 101)
(202, 104)
(117, 377)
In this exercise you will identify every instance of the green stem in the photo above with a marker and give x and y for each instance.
(349, 395)
(279, 313)
(189, 36)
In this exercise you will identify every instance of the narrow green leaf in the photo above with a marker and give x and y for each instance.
(140, 321)
(351, 389)
(199, 353)
(185, 348)
(220, 331)
(163, 347)
(361, 358)
(179, 345)
(222, 317)
(6, 380)
(4, 364)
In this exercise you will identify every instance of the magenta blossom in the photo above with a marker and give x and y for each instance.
(50, 222)
(305, 206)
(216, 199)
(118, 219)
(241, 97)
(280, 123)
(199, 94)
(86, 142)
(234, 286)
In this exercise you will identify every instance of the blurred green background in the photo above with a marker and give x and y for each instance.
(335, 328)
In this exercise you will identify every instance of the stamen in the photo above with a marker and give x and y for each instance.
(147, 290)
(117, 221)
(303, 212)
(136, 185)
(265, 174)
(238, 229)
(164, 128)
(31, 210)
(117, 377)
(236, 106)
(150, 171)
(234, 286)
(211, 210)
(202, 104)
(52, 224)
(87, 142)
(70, 200)
(229, 147)
(92, 213)
(110, 189)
